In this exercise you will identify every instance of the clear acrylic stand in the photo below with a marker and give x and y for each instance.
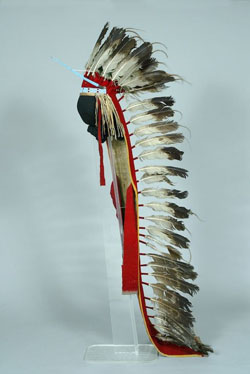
(118, 352)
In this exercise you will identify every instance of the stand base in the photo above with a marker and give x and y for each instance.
(120, 353)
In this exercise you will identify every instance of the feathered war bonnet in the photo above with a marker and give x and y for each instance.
(123, 64)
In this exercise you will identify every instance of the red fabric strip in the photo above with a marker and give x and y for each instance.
(130, 245)
(102, 177)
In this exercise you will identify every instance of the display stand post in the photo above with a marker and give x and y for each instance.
(118, 352)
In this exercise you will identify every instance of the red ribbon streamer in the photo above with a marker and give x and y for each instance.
(102, 177)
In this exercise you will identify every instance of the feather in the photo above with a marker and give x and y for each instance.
(103, 48)
(153, 178)
(152, 246)
(118, 55)
(179, 211)
(129, 63)
(148, 104)
(149, 65)
(167, 222)
(164, 335)
(170, 208)
(142, 53)
(141, 79)
(174, 331)
(97, 45)
(107, 49)
(163, 193)
(156, 127)
(176, 284)
(151, 115)
(169, 236)
(171, 153)
(174, 297)
(174, 271)
(160, 140)
(174, 252)
(182, 316)
(178, 332)
(167, 260)
(164, 263)
(154, 87)
(165, 170)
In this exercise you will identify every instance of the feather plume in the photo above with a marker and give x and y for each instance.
(140, 79)
(142, 53)
(163, 193)
(176, 284)
(173, 252)
(148, 104)
(160, 140)
(107, 49)
(167, 222)
(103, 48)
(153, 178)
(182, 316)
(164, 263)
(169, 236)
(150, 64)
(118, 55)
(126, 67)
(165, 170)
(174, 297)
(97, 45)
(174, 332)
(156, 127)
(151, 115)
(170, 208)
(152, 246)
(179, 273)
(171, 153)
(155, 87)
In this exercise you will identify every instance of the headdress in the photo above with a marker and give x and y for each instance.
(123, 65)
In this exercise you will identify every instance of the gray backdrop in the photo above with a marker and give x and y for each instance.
(57, 224)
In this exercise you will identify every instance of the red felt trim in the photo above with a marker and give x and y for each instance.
(130, 245)
(102, 177)
(113, 197)
(112, 194)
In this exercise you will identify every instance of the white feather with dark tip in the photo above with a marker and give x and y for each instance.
(170, 208)
(142, 79)
(163, 127)
(97, 46)
(175, 239)
(148, 104)
(116, 37)
(165, 170)
(169, 153)
(152, 115)
(155, 178)
(122, 51)
(173, 252)
(131, 62)
(160, 140)
(166, 222)
(163, 193)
